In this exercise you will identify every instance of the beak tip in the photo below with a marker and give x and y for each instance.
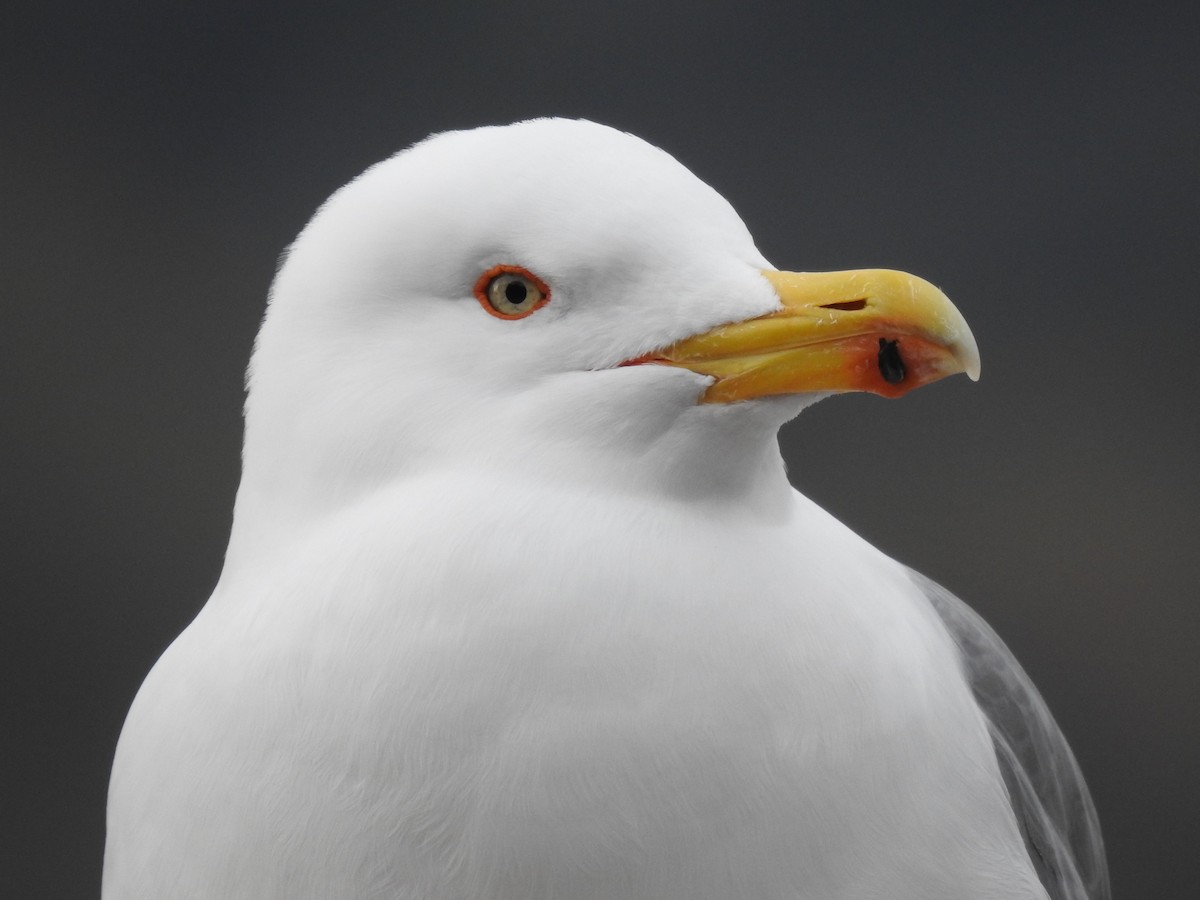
(972, 366)
(962, 344)
(967, 353)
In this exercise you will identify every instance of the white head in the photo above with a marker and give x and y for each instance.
(378, 359)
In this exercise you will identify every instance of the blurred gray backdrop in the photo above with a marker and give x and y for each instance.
(1039, 161)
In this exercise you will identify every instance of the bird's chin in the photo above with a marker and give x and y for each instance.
(788, 406)
(768, 412)
(690, 387)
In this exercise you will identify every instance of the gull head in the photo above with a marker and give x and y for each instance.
(555, 294)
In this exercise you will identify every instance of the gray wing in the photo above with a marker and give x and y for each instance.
(1048, 794)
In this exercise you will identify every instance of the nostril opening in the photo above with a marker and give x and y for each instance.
(848, 305)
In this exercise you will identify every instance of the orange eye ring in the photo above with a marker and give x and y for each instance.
(511, 292)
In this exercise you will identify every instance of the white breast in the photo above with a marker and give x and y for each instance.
(575, 696)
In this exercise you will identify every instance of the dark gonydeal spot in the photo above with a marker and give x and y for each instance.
(891, 365)
(515, 292)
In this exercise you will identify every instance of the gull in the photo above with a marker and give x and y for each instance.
(519, 603)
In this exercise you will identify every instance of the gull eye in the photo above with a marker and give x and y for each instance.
(511, 292)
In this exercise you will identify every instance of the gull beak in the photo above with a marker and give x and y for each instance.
(873, 330)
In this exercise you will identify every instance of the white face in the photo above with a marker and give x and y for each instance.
(376, 351)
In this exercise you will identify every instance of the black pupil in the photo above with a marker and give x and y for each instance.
(515, 292)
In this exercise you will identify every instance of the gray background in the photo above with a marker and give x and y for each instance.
(1038, 161)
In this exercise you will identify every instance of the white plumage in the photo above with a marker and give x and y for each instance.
(503, 618)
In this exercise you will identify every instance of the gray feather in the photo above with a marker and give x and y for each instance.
(1047, 790)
